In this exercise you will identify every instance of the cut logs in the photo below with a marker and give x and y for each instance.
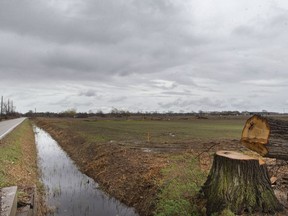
(266, 136)
(240, 183)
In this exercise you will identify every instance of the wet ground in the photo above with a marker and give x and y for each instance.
(70, 192)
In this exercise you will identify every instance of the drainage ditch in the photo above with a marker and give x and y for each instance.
(68, 191)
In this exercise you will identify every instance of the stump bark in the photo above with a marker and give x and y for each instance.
(239, 183)
(266, 136)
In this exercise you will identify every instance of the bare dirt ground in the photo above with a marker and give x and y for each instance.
(132, 174)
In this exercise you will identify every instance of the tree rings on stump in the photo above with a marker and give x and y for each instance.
(240, 183)
(266, 136)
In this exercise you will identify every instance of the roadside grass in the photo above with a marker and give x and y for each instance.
(180, 186)
(18, 163)
(11, 155)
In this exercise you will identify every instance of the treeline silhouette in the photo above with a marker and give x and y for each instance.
(117, 113)
(7, 109)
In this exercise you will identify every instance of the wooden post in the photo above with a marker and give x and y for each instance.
(148, 137)
(240, 183)
(266, 136)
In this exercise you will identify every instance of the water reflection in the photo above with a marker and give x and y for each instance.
(70, 192)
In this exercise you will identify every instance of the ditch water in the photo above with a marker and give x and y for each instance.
(68, 191)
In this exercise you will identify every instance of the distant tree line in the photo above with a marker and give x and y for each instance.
(7, 109)
(119, 113)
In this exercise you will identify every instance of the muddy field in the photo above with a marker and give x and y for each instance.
(126, 156)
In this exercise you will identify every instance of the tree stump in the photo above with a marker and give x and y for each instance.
(266, 136)
(240, 183)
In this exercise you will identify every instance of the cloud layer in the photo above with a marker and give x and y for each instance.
(149, 55)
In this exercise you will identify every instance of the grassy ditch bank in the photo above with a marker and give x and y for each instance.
(18, 162)
(129, 175)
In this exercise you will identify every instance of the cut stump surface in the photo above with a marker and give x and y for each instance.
(240, 183)
(266, 136)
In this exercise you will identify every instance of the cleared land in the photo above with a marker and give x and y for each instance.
(156, 166)
(158, 135)
(146, 163)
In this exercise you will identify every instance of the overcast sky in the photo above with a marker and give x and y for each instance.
(152, 55)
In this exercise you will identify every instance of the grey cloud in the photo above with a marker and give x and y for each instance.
(99, 38)
(178, 93)
(164, 84)
(93, 22)
(84, 104)
(245, 31)
(164, 51)
(200, 103)
(118, 99)
(240, 103)
(266, 83)
(88, 93)
(37, 19)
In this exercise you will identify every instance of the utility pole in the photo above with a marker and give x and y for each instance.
(12, 111)
(8, 107)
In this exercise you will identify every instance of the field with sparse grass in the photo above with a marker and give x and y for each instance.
(173, 134)
(157, 166)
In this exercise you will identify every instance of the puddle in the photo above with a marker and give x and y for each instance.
(70, 192)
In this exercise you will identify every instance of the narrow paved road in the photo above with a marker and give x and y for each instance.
(8, 125)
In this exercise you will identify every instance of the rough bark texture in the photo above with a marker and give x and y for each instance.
(239, 183)
(267, 136)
